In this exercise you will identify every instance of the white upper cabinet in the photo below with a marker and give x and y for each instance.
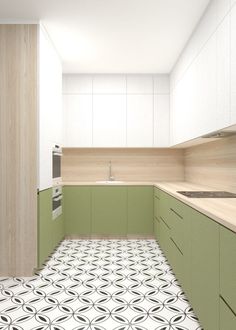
(78, 120)
(109, 120)
(161, 84)
(116, 110)
(109, 84)
(139, 84)
(202, 82)
(161, 121)
(233, 67)
(50, 107)
(139, 120)
(77, 84)
(222, 116)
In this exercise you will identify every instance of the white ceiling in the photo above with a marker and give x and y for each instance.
(112, 36)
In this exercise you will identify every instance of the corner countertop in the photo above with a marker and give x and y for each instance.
(222, 210)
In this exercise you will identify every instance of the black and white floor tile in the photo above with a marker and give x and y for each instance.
(98, 285)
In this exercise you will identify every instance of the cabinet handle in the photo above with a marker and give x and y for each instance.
(176, 246)
(180, 216)
(165, 222)
(227, 305)
(157, 197)
(56, 199)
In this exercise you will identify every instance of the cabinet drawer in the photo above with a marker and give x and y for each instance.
(165, 207)
(156, 192)
(177, 208)
(228, 266)
(164, 239)
(156, 207)
(177, 260)
(157, 229)
(227, 317)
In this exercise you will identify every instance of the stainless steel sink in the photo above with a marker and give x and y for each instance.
(207, 194)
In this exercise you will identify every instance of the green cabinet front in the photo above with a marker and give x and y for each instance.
(204, 295)
(109, 211)
(228, 266)
(77, 201)
(227, 317)
(140, 211)
(50, 232)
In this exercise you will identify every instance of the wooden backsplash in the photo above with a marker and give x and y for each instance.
(91, 164)
(212, 164)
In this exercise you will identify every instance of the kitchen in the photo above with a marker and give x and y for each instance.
(118, 165)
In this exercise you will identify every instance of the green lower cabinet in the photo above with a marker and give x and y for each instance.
(228, 267)
(58, 230)
(164, 239)
(140, 211)
(109, 211)
(45, 225)
(157, 229)
(50, 232)
(77, 206)
(227, 317)
(204, 296)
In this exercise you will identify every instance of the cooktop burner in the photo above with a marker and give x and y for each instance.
(207, 194)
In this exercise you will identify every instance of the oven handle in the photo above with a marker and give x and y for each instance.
(57, 153)
(56, 199)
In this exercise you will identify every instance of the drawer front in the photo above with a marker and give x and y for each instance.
(177, 261)
(156, 207)
(228, 266)
(156, 192)
(227, 317)
(165, 208)
(157, 229)
(164, 239)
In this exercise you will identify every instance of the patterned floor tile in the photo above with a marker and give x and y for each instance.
(98, 285)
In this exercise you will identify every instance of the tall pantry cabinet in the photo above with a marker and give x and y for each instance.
(26, 112)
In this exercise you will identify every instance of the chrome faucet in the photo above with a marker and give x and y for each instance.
(111, 178)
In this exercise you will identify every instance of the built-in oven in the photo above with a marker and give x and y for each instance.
(56, 164)
(56, 201)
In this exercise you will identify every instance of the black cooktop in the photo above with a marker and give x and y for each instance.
(207, 194)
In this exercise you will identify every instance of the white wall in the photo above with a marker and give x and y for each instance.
(116, 110)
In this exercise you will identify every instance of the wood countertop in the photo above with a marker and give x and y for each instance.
(222, 210)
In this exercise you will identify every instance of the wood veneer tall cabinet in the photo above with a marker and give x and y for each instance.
(18, 149)
(25, 111)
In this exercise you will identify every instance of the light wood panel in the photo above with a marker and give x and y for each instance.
(212, 164)
(91, 164)
(18, 149)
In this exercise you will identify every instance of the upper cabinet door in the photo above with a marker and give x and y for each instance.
(233, 67)
(109, 120)
(77, 84)
(78, 120)
(161, 120)
(109, 84)
(222, 114)
(139, 84)
(139, 120)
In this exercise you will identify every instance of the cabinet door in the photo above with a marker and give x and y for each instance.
(139, 120)
(222, 111)
(45, 225)
(227, 317)
(78, 120)
(140, 211)
(109, 120)
(161, 120)
(205, 270)
(77, 210)
(233, 66)
(228, 266)
(109, 211)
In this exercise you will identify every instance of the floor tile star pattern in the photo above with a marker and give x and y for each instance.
(98, 285)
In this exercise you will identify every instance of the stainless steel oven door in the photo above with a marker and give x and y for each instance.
(57, 202)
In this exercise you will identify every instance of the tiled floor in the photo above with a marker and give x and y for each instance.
(98, 285)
